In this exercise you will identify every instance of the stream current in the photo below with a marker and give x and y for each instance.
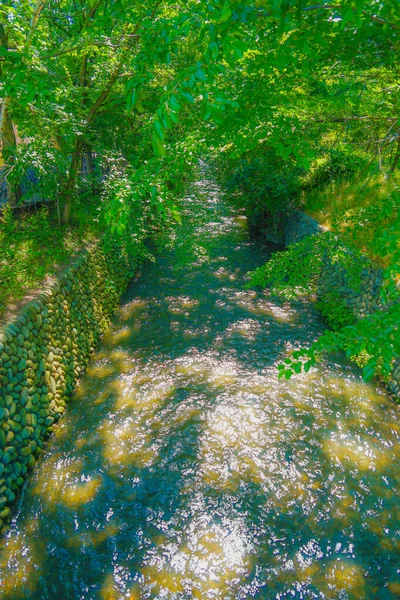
(184, 469)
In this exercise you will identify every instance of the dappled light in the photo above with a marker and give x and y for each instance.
(184, 468)
(80, 492)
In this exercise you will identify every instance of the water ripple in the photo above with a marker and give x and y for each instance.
(183, 467)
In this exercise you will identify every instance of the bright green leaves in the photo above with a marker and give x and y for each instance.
(136, 100)
(256, 79)
(226, 12)
(174, 104)
(158, 146)
(200, 75)
(138, 203)
(298, 361)
(373, 341)
(368, 371)
(134, 96)
(212, 52)
(186, 97)
(166, 117)
(159, 129)
(294, 271)
(347, 16)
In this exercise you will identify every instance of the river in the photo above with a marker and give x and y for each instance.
(184, 469)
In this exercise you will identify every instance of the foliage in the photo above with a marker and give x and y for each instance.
(287, 94)
(32, 246)
(375, 228)
(266, 186)
(139, 204)
(87, 77)
(298, 269)
(128, 79)
(336, 164)
(375, 337)
(335, 311)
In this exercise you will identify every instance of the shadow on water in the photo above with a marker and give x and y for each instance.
(184, 469)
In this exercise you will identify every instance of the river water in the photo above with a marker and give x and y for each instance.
(184, 469)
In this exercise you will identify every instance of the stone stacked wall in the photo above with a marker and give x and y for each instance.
(361, 298)
(290, 230)
(298, 226)
(44, 350)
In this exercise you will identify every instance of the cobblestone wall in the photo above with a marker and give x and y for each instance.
(44, 350)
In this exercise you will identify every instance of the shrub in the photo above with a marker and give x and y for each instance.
(266, 187)
(332, 165)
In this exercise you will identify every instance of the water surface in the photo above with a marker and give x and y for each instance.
(184, 469)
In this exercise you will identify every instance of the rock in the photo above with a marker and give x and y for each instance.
(22, 365)
(25, 331)
(26, 451)
(4, 512)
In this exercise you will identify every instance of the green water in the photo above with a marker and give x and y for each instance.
(184, 469)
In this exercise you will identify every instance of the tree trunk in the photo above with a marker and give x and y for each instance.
(12, 195)
(88, 156)
(9, 144)
(396, 158)
(70, 186)
(89, 161)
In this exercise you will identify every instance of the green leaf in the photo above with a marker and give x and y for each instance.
(187, 97)
(226, 12)
(201, 75)
(205, 110)
(216, 114)
(369, 370)
(174, 104)
(159, 129)
(347, 16)
(158, 147)
(213, 49)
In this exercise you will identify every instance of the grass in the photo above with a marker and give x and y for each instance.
(339, 198)
(338, 204)
(33, 246)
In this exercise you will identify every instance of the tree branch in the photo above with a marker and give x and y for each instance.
(374, 18)
(355, 118)
(35, 18)
(107, 43)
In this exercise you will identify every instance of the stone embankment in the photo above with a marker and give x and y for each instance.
(44, 350)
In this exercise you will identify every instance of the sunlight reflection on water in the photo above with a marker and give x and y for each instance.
(183, 467)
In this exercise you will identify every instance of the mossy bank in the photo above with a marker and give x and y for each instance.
(44, 350)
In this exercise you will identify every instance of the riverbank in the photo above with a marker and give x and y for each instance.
(45, 348)
(183, 468)
(34, 248)
(342, 201)
(357, 298)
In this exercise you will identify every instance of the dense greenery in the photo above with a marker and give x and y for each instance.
(373, 341)
(33, 247)
(285, 97)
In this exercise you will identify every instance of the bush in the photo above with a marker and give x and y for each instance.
(266, 187)
(332, 165)
(335, 311)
